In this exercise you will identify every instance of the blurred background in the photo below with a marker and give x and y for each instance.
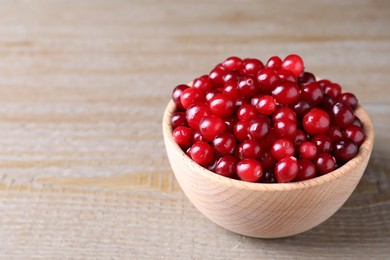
(83, 85)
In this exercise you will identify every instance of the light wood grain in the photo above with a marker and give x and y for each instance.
(83, 87)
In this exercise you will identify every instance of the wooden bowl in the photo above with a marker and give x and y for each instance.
(266, 210)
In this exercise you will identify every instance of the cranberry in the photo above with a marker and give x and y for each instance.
(222, 105)
(286, 169)
(230, 122)
(268, 160)
(344, 149)
(286, 93)
(176, 94)
(191, 96)
(211, 94)
(266, 105)
(183, 136)
(211, 126)
(268, 176)
(308, 150)
(323, 143)
(282, 148)
(316, 121)
(246, 112)
(202, 83)
(249, 170)
(202, 153)
(306, 78)
(284, 112)
(274, 63)
(231, 77)
(195, 113)
(197, 136)
(354, 133)
(230, 89)
(333, 90)
(324, 163)
(356, 121)
(301, 107)
(250, 149)
(306, 170)
(299, 138)
(342, 115)
(226, 166)
(258, 127)
(293, 63)
(267, 79)
(232, 63)
(178, 119)
(327, 103)
(241, 130)
(286, 75)
(334, 133)
(324, 82)
(248, 87)
(252, 67)
(349, 99)
(286, 128)
(312, 93)
(216, 76)
(224, 143)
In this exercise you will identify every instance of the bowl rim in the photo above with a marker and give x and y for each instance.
(364, 151)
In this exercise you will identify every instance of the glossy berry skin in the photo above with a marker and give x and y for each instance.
(249, 170)
(183, 136)
(286, 93)
(301, 107)
(233, 63)
(316, 121)
(354, 133)
(284, 112)
(197, 136)
(268, 176)
(211, 126)
(202, 153)
(342, 115)
(176, 94)
(267, 80)
(191, 96)
(250, 149)
(274, 63)
(286, 169)
(222, 105)
(299, 138)
(334, 133)
(230, 122)
(293, 63)
(306, 170)
(308, 150)
(195, 113)
(333, 90)
(241, 130)
(312, 93)
(211, 94)
(286, 75)
(258, 127)
(344, 149)
(216, 76)
(266, 105)
(306, 78)
(349, 99)
(252, 67)
(268, 160)
(248, 87)
(356, 121)
(203, 83)
(246, 112)
(282, 148)
(324, 163)
(226, 166)
(323, 143)
(286, 128)
(230, 89)
(224, 143)
(178, 119)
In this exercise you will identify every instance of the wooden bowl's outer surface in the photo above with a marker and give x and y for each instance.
(266, 210)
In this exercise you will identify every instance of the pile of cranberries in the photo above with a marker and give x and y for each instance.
(266, 123)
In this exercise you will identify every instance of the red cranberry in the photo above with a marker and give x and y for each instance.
(183, 136)
(324, 82)
(176, 94)
(230, 122)
(306, 78)
(222, 105)
(308, 150)
(327, 103)
(316, 121)
(342, 115)
(216, 76)
(197, 136)
(334, 133)
(250, 149)
(324, 163)
(252, 67)
(286, 169)
(268, 160)
(258, 127)
(202, 153)
(282, 148)
(306, 170)
(323, 143)
(203, 83)
(293, 63)
(178, 119)
(286, 128)
(349, 99)
(267, 79)
(274, 63)
(266, 105)
(268, 176)
(248, 87)
(211, 126)
(249, 170)
(191, 96)
(226, 166)
(246, 112)
(354, 133)
(333, 90)
(284, 112)
(356, 121)
(286, 75)
(269, 139)
(224, 143)
(233, 63)
(195, 113)
(230, 89)
(299, 138)
(211, 94)
(241, 130)
(312, 93)
(301, 107)
(344, 149)
(286, 93)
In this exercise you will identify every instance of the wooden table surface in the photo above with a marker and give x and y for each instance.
(83, 85)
